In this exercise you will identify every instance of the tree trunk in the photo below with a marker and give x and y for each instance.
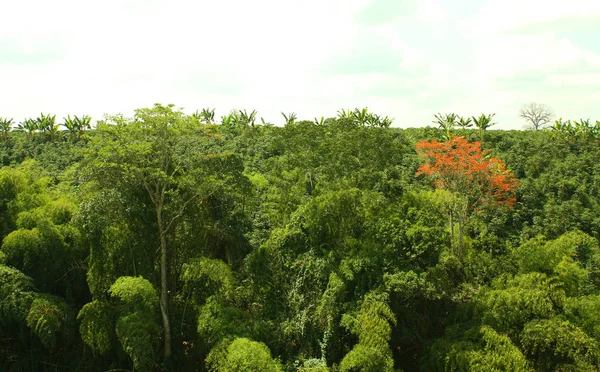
(451, 232)
(461, 224)
(164, 294)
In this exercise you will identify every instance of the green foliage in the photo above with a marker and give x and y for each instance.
(16, 294)
(49, 317)
(218, 320)
(572, 258)
(212, 273)
(313, 365)
(134, 293)
(511, 302)
(556, 342)
(483, 349)
(96, 327)
(139, 336)
(372, 325)
(5, 127)
(131, 319)
(242, 355)
(316, 240)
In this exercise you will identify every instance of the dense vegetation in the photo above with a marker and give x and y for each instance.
(168, 242)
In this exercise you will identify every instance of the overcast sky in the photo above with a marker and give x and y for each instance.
(407, 59)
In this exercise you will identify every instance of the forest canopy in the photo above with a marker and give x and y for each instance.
(176, 242)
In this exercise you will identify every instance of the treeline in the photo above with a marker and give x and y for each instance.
(166, 241)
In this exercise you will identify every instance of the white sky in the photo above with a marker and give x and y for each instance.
(407, 59)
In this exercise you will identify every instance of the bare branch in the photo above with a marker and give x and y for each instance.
(538, 115)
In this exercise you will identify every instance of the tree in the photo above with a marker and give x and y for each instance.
(446, 122)
(290, 119)
(242, 354)
(206, 116)
(537, 115)
(247, 119)
(464, 123)
(152, 152)
(30, 126)
(47, 124)
(5, 127)
(483, 123)
(373, 326)
(464, 168)
(77, 125)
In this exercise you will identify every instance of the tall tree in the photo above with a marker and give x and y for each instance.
(537, 115)
(464, 168)
(153, 152)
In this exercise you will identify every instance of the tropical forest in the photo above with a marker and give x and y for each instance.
(174, 241)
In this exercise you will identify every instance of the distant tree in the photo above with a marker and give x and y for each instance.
(206, 116)
(5, 127)
(362, 118)
(483, 122)
(342, 113)
(289, 118)
(464, 123)
(247, 119)
(47, 124)
(77, 125)
(30, 126)
(446, 122)
(538, 115)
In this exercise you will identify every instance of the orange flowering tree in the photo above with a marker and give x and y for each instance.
(464, 169)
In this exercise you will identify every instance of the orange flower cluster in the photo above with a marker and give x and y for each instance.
(461, 166)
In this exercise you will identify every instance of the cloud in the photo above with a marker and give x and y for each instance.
(496, 16)
(384, 11)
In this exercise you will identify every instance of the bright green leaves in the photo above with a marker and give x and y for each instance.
(16, 294)
(572, 258)
(212, 283)
(372, 325)
(498, 354)
(213, 274)
(218, 319)
(77, 126)
(409, 286)
(97, 328)
(512, 302)
(48, 317)
(131, 316)
(22, 247)
(242, 355)
(556, 342)
(138, 334)
(540, 313)
(137, 327)
(134, 294)
(483, 350)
